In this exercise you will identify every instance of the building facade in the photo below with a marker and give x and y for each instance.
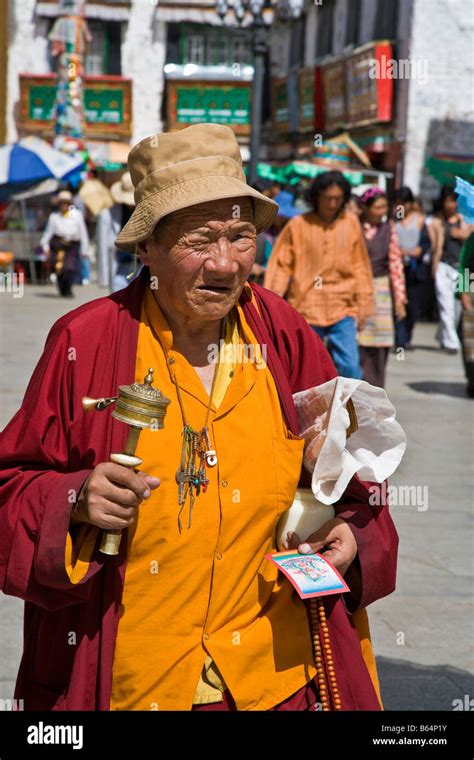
(172, 63)
(432, 109)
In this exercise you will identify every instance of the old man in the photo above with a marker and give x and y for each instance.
(189, 615)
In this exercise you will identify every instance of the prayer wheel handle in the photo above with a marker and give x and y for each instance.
(140, 406)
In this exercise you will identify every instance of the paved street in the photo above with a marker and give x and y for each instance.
(423, 633)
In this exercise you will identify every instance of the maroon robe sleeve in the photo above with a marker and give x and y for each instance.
(305, 362)
(372, 574)
(39, 481)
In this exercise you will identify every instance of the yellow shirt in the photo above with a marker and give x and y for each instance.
(209, 592)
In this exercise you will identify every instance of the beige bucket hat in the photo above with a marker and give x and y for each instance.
(64, 196)
(173, 170)
(96, 196)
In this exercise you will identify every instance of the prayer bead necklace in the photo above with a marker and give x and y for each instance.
(196, 452)
(322, 641)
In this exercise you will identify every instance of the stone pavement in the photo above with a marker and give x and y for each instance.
(423, 633)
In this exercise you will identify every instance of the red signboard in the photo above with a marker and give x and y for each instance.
(369, 85)
(356, 89)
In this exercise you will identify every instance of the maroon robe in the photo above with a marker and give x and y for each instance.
(51, 446)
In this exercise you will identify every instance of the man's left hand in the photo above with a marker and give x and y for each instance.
(336, 536)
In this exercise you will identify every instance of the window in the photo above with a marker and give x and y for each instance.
(103, 54)
(354, 11)
(195, 49)
(213, 51)
(240, 50)
(325, 27)
(95, 60)
(386, 20)
(207, 45)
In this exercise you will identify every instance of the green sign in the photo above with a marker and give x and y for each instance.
(41, 102)
(101, 105)
(218, 105)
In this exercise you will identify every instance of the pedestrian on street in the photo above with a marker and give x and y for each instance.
(65, 240)
(377, 336)
(320, 263)
(448, 231)
(189, 615)
(415, 248)
(466, 323)
(124, 263)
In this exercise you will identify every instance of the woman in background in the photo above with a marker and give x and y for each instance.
(448, 231)
(377, 337)
(415, 246)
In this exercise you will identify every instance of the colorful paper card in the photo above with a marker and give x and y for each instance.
(310, 574)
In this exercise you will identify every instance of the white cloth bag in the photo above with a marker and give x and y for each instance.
(373, 451)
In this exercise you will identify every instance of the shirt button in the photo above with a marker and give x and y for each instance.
(206, 636)
(219, 555)
(224, 483)
(171, 360)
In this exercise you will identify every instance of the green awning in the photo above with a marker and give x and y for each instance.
(292, 173)
(444, 167)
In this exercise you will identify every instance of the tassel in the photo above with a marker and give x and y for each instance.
(132, 274)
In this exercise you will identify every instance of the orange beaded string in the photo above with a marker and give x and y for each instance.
(322, 643)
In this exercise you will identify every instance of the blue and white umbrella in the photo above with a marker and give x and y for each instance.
(32, 160)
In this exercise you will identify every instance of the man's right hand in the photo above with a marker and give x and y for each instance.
(111, 495)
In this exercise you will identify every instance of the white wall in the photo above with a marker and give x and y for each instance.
(143, 57)
(440, 112)
(27, 52)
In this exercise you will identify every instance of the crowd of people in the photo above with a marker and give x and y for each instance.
(357, 268)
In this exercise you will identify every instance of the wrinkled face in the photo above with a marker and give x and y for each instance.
(202, 256)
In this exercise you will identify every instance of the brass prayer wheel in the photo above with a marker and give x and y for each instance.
(139, 405)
